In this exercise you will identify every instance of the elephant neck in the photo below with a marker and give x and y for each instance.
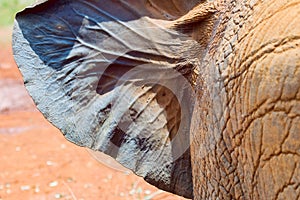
(241, 84)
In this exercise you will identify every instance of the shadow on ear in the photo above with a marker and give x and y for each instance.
(113, 77)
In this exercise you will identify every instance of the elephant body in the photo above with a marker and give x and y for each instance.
(201, 98)
(246, 127)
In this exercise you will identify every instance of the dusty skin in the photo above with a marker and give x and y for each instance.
(37, 163)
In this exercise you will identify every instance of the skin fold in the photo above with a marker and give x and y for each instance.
(225, 126)
(246, 127)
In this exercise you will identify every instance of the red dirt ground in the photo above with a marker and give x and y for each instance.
(37, 163)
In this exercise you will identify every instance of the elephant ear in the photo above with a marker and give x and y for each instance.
(115, 78)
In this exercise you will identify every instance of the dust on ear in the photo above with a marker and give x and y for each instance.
(198, 22)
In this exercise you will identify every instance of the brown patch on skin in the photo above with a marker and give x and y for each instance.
(167, 100)
(197, 14)
(172, 9)
(198, 23)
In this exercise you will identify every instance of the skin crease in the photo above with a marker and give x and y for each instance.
(174, 8)
(245, 131)
(245, 126)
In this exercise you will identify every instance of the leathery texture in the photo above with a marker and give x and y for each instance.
(246, 128)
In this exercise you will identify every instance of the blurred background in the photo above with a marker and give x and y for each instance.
(36, 162)
(8, 9)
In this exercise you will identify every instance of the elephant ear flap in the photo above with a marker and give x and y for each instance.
(113, 78)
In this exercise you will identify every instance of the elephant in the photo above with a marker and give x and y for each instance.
(201, 98)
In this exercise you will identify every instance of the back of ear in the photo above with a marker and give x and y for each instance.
(113, 77)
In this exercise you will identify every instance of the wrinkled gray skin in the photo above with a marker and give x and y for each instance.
(240, 111)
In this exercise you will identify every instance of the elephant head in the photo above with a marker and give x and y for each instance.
(201, 98)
